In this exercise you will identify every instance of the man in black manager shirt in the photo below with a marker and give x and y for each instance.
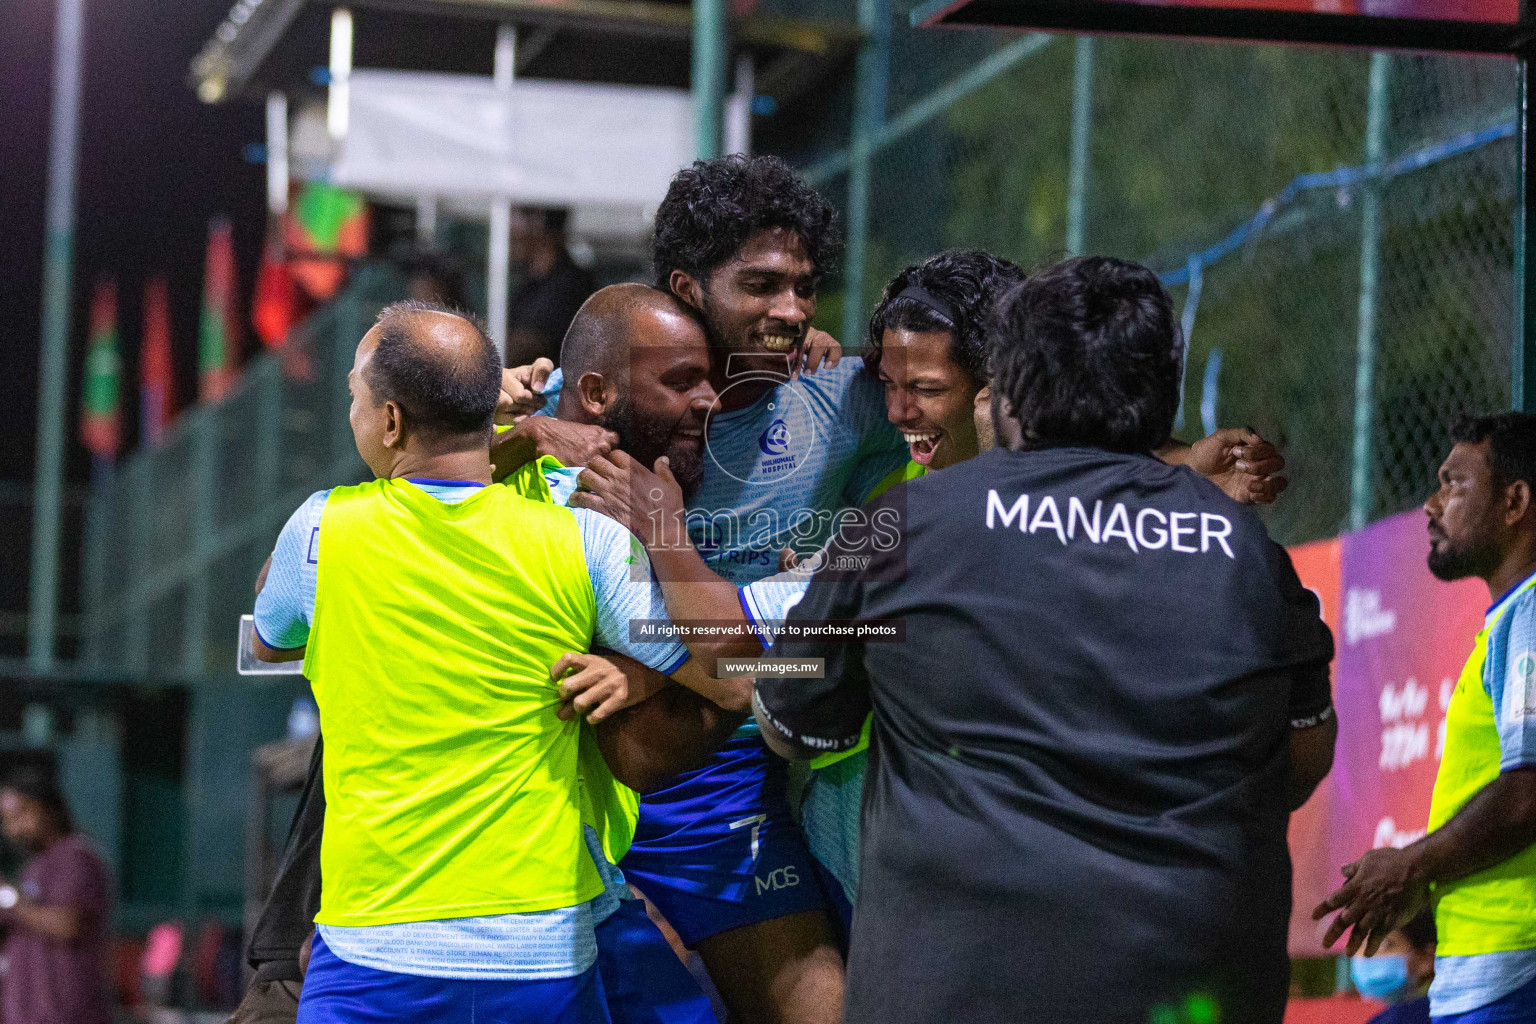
(1111, 691)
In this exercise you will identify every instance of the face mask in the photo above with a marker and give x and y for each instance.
(1379, 977)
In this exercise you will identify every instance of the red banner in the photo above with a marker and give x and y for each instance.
(1312, 864)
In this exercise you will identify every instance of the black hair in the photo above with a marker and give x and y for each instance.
(712, 208)
(444, 273)
(959, 289)
(1420, 930)
(552, 218)
(1088, 352)
(39, 783)
(1511, 438)
(440, 395)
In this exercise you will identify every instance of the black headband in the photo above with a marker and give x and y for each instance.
(923, 297)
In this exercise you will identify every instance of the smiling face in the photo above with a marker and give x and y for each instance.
(1465, 516)
(762, 299)
(928, 397)
(664, 408)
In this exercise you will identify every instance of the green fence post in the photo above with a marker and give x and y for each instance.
(269, 444)
(709, 56)
(872, 71)
(204, 437)
(135, 604)
(98, 521)
(1361, 486)
(1082, 139)
(53, 365)
(1523, 356)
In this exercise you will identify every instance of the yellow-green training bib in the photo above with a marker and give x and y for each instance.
(452, 789)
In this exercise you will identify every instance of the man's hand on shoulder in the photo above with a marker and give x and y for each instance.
(573, 444)
(820, 349)
(642, 500)
(522, 391)
(1237, 460)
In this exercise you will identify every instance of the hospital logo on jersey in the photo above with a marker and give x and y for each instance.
(766, 453)
(775, 440)
(1520, 687)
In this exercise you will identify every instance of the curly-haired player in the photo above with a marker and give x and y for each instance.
(797, 435)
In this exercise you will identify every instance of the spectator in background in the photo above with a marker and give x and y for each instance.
(433, 277)
(56, 952)
(553, 290)
(1400, 972)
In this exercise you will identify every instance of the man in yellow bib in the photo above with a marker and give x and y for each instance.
(1477, 865)
(458, 881)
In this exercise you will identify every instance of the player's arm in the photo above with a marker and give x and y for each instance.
(801, 718)
(673, 731)
(1237, 460)
(631, 609)
(650, 505)
(525, 391)
(1307, 648)
(647, 729)
(285, 587)
(1386, 887)
(1312, 746)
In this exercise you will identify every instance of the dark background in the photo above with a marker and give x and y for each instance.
(154, 165)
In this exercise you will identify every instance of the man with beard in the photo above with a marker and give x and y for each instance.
(642, 981)
(1477, 865)
(745, 242)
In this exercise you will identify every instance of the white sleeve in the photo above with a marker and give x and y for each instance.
(767, 602)
(626, 592)
(285, 608)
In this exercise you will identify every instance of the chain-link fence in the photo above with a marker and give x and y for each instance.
(1337, 225)
(176, 537)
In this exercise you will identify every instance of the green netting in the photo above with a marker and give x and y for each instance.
(1248, 175)
(1256, 163)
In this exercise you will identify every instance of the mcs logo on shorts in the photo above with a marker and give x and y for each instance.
(783, 878)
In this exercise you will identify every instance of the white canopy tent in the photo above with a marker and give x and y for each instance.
(477, 146)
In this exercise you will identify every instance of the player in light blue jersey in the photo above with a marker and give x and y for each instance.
(745, 243)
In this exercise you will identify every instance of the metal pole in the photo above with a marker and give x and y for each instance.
(1361, 485)
(426, 221)
(708, 76)
(277, 153)
(499, 259)
(338, 109)
(53, 364)
(1523, 356)
(738, 130)
(1082, 138)
(869, 101)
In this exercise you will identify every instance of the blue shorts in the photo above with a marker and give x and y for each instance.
(718, 849)
(337, 992)
(1518, 1007)
(643, 980)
